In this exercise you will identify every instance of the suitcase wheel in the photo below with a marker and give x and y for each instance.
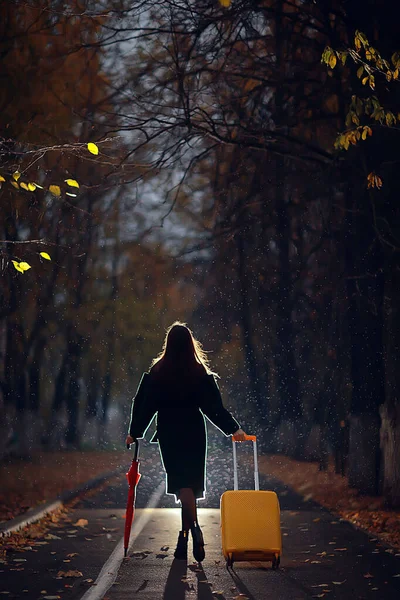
(276, 561)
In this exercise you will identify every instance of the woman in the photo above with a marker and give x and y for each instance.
(181, 389)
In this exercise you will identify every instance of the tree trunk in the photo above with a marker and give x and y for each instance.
(390, 444)
(73, 391)
(365, 279)
(364, 454)
(258, 398)
(390, 411)
(290, 407)
(54, 438)
(34, 393)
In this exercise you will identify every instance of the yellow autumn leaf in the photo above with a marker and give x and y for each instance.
(225, 3)
(72, 182)
(24, 186)
(16, 265)
(93, 149)
(2, 178)
(332, 61)
(15, 184)
(16, 175)
(32, 187)
(55, 190)
(374, 181)
(21, 266)
(45, 255)
(24, 266)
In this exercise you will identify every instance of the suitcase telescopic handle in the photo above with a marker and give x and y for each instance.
(252, 438)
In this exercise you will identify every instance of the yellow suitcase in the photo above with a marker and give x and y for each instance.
(250, 520)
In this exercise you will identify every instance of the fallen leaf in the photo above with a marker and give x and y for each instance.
(368, 576)
(339, 549)
(81, 523)
(339, 582)
(69, 574)
(50, 536)
(72, 554)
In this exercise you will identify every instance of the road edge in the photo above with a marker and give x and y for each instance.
(40, 511)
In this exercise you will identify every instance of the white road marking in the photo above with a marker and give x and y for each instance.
(109, 572)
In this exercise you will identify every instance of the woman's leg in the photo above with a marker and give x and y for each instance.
(189, 522)
(189, 508)
(189, 516)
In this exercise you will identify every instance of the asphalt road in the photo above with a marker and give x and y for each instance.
(322, 556)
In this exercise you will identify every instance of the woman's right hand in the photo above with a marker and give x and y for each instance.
(129, 440)
(239, 435)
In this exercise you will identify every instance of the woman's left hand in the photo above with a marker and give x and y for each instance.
(239, 435)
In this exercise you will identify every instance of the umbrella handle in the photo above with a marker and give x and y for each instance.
(136, 448)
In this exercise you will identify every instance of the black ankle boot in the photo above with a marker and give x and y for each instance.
(198, 543)
(181, 546)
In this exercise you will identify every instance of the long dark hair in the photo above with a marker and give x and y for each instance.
(181, 351)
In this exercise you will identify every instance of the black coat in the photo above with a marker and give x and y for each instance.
(180, 406)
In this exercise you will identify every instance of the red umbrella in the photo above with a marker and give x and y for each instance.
(133, 477)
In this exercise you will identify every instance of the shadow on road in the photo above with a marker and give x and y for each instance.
(203, 588)
(243, 589)
(176, 585)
